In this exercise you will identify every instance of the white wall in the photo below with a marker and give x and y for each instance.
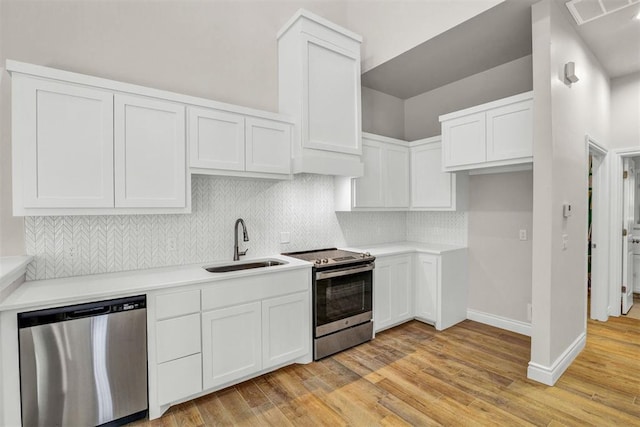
(382, 114)
(625, 111)
(422, 111)
(393, 27)
(563, 115)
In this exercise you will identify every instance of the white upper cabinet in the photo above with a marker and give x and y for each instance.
(62, 145)
(496, 134)
(226, 143)
(401, 176)
(150, 164)
(89, 146)
(216, 139)
(319, 85)
(432, 189)
(396, 176)
(385, 184)
(268, 146)
(368, 191)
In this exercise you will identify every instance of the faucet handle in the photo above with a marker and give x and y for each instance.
(243, 252)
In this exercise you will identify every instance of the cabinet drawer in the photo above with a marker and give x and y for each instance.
(179, 378)
(253, 288)
(177, 304)
(178, 337)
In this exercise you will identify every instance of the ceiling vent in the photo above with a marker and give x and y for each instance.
(584, 11)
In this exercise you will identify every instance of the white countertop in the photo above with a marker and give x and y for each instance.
(11, 268)
(68, 290)
(397, 248)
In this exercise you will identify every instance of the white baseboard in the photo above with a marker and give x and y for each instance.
(500, 322)
(549, 374)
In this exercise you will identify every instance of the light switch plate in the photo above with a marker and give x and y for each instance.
(523, 234)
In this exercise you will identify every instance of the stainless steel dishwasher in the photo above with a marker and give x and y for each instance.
(84, 365)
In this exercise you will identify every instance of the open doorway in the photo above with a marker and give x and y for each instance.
(624, 231)
(597, 251)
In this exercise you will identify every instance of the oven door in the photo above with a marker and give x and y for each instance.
(343, 298)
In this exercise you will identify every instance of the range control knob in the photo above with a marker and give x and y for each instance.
(365, 255)
(325, 261)
(317, 261)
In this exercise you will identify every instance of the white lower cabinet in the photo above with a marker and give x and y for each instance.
(392, 291)
(232, 343)
(220, 333)
(282, 338)
(441, 283)
(428, 287)
(426, 274)
(179, 378)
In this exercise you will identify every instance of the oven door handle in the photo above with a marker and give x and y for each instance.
(346, 272)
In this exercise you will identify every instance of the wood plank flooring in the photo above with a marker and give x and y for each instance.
(468, 375)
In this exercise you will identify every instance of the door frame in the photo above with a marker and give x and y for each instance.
(615, 255)
(600, 220)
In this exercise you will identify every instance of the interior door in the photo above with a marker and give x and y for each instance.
(627, 241)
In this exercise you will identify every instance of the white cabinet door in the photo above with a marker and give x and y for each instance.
(464, 140)
(283, 338)
(382, 315)
(392, 291)
(216, 139)
(368, 189)
(231, 343)
(150, 150)
(636, 273)
(510, 131)
(426, 274)
(177, 337)
(331, 97)
(268, 146)
(430, 187)
(63, 144)
(396, 176)
(179, 378)
(402, 289)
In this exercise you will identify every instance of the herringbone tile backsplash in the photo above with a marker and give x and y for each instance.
(76, 245)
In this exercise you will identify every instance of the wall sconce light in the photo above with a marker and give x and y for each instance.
(570, 73)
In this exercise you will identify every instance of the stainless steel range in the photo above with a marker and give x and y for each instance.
(342, 298)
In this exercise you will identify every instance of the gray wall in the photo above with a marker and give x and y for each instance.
(422, 111)
(499, 262)
(382, 114)
(499, 204)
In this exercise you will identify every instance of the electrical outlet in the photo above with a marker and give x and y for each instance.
(529, 312)
(523, 234)
(72, 251)
(565, 242)
(171, 244)
(285, 237)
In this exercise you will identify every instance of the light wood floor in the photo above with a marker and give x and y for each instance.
(470, 374)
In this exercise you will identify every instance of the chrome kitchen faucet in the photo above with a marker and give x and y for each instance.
(236, 253)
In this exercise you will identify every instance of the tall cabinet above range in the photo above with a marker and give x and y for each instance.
(319, 85)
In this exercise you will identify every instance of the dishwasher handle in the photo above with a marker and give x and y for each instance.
(87, 312)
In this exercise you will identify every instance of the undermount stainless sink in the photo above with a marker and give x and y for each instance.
(243, 266)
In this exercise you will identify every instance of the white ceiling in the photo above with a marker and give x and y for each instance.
(614, 39)
(496, 36)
